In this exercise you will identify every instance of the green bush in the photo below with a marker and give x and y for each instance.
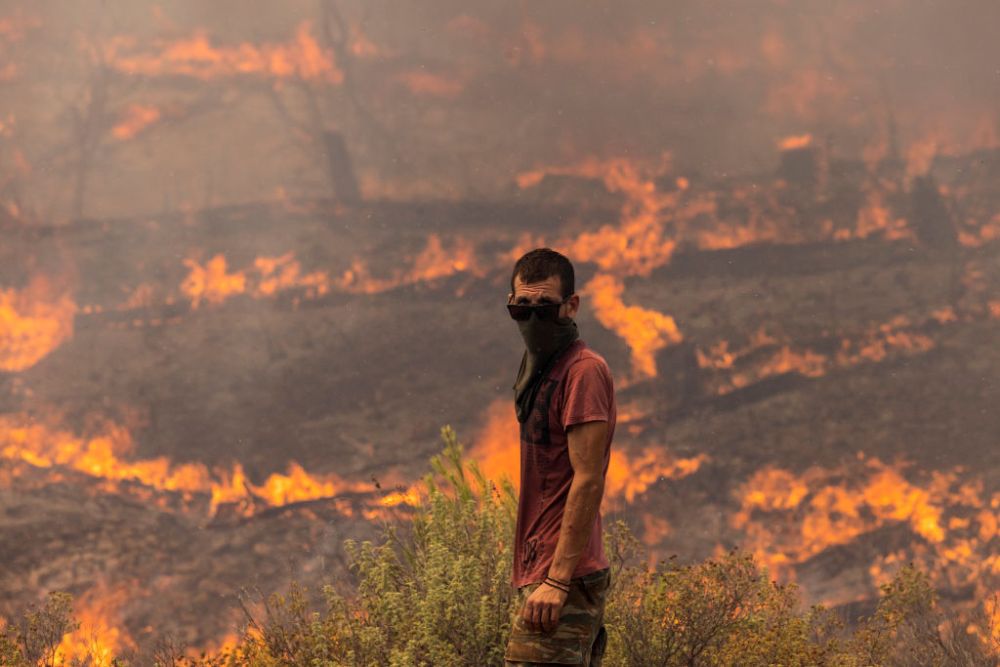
(435, 591)
(35, 636)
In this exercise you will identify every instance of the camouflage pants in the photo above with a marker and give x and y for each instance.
(578, 639)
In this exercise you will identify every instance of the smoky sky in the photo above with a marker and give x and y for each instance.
(452, 99)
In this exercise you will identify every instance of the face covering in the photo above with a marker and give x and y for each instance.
(544, 342)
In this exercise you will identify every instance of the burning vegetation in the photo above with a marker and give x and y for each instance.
(259, 257)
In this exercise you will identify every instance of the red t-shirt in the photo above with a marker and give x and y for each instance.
(577, 389)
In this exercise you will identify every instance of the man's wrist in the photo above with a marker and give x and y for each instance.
(560, 575)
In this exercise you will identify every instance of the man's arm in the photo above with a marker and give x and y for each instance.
(587, 443)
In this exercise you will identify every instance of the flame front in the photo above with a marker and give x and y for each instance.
(786, 518)
(100, 638)
(435, 261)
(135, 119)
(103, 456)
(497, 449)
(197, 57)
(645, 331)
(212, 283)
(33, 322)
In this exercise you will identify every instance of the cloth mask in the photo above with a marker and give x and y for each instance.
(544, 343)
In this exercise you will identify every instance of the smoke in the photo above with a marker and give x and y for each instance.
(452, 99)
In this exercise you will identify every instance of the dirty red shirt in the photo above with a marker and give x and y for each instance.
(577, 389)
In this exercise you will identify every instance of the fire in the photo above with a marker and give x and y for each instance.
(898, 336)
(135, 119)
(33, 322)
(919, 156)
(497, 449)
(103, 456)
(786, 518)
(100, 636)
(631, 477)
(655, 529)
(197, 57)
(212, 282)
(282, 273)
(433, 262)
(638, 243)
(795, 142)
(645, 331)
(421, 82)
(875, 218)
(497, 444)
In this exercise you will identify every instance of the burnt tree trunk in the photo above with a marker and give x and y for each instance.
(341, 171)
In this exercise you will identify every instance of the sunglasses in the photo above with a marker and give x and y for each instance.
(545, 312)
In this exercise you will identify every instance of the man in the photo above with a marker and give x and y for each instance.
(565, 403)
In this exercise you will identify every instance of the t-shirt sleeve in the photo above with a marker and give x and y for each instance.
(588, 393)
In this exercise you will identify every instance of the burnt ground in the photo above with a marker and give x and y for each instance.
(360, 384)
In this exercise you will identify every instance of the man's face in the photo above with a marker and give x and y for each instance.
(545, 291)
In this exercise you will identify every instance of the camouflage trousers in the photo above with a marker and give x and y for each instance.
(578, 639)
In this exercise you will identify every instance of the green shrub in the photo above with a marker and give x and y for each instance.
(34, 637)
(436, 591)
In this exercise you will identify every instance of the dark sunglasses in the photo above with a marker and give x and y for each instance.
(546, 312)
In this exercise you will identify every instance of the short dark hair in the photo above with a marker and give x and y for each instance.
(541, 263)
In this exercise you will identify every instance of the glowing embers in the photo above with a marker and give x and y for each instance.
(437, 260)
(33, 322)
(104, 456)
(212, 283)
(787, 518)
(197, 57)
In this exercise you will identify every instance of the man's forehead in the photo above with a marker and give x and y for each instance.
(551, 285)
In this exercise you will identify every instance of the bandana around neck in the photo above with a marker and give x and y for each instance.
(544, 344)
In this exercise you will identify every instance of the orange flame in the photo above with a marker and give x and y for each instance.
(497, 444)
(795, 142)
(422, 82)
(434, 261)
(920, 154)
(213, 284)
(877, 343)
(135, 119)
(497, 450)
(197, 57)
(787, 518)
(100, 637)
(33, 322)
(101, 456)
(645, 331)
(631, 477)
(638, 243)
(655, 529)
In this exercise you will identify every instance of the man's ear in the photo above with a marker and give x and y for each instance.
(573, 304)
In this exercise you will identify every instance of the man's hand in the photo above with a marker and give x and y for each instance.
(542, 608)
